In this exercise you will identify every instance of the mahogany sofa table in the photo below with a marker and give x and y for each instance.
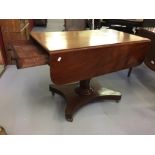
(81, 55)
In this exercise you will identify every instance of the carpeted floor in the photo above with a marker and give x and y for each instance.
(27, 106)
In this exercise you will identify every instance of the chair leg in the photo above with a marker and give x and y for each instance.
(129, 72)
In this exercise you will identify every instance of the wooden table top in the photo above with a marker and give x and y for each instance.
(58, 41)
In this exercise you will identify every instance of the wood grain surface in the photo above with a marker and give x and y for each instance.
(55, 41)
(80, 55)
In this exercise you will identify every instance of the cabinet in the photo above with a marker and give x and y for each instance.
(2, 53)
(13, 30)
(1, 57)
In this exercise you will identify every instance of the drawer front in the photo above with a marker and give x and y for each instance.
(28, 54)
(82, 64)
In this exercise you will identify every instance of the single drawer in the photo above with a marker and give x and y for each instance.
(29, 54)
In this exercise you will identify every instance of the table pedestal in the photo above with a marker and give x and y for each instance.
(82, 93)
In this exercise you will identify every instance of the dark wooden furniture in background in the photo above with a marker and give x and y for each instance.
(2, 50)
(124, 25)
(82, 55)
(40, 22)
(3, 61)
(144, 28)
(150, 57)
(13, 30)
(148, 23)
(1, 57)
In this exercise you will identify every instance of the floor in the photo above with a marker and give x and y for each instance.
(1, 69)
(27, 106)
(52, 25)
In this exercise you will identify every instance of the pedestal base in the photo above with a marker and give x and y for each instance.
(75, 100)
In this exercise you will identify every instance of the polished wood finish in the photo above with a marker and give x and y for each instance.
(84, 88)
(29, 54)
(2, 50)
(72, 40)
(76, 100)
(1, 57)
(12, 30)
(13, 25)
(82, 55)
(83, 64)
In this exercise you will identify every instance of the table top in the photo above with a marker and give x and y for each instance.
(68, 40)
(80, 55)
